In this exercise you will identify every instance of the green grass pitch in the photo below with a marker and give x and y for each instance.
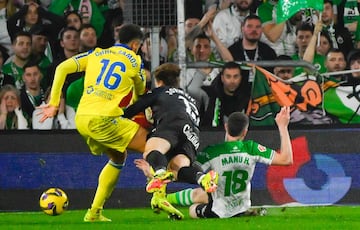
(314, 217)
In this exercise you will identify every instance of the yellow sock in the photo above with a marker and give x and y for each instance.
(107, 181)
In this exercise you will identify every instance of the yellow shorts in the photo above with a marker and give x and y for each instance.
(102, 133)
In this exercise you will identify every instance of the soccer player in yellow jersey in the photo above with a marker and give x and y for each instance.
(113, 77)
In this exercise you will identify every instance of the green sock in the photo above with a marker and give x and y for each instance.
(182, 197)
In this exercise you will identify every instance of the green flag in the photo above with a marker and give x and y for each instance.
(343, 102)
(285, 9)
(263, 106)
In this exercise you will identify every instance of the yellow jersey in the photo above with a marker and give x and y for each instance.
(113, 78)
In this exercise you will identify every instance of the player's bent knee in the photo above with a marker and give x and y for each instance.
(200, 196)
(116, 165)
(192, 211)
(180, 161)
(116, 156)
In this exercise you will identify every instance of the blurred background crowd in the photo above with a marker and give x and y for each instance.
(35, 36)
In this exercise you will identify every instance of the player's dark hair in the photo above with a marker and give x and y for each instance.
(237, 123)
(129, 32)
(169, 73)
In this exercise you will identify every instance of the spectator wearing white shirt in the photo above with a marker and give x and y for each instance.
(227, 22)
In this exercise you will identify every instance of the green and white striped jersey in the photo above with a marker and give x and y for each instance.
(235, 162)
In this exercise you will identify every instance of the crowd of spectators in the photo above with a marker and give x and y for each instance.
(35, 36)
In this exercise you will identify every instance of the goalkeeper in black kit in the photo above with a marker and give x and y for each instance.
(172, 144)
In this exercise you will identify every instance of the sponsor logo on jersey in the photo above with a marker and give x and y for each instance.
(261, 148)
(191, 136)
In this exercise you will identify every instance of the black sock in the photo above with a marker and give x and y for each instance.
(157, 160)
(189, 174)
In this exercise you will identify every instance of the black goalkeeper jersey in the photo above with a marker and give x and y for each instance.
(167, 104)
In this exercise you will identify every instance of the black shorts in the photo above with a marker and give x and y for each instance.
(204, 211)
(182, 135)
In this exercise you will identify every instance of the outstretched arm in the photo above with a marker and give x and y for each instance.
(273, 31)
(198, 29)
(310, 51)
(285, 157)
(221, 48)
(50, 109)
(145, 101)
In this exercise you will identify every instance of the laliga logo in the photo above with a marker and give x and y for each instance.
(320, 180)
